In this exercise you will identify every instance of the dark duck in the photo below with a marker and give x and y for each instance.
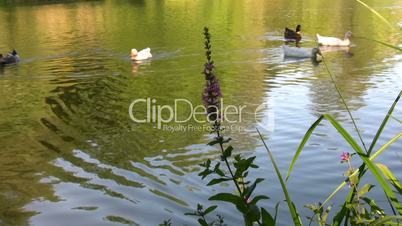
(10, 58)
(293, 35)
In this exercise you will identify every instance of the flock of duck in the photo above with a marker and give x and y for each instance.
(314, 53)
(289, 51)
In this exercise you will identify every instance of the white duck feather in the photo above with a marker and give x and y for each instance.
(141, 55)
(331, 41)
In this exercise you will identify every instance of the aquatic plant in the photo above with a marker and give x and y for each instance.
(357, 209)
(237, 171)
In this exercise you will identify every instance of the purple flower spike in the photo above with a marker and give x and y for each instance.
(212, 91)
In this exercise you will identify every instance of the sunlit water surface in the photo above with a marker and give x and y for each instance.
(70, 155)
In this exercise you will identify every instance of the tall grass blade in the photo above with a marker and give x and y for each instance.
(385, 146)
(344, 103)
(345, 212)
(293, 211)
(396, 119)
(380, 42)
(345, 134)
(375, 155)
(384, 122)
(373, 168)
(302, 144)
(390, 176)
(372, 158)
(377, 14)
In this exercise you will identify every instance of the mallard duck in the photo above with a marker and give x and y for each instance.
(298, 52)
(330, 41)
(290, 34)
(10, 58)
(141, 55)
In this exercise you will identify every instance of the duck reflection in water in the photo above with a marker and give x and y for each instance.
(345, 49)
(135, 66)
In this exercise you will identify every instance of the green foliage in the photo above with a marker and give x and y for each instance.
(293, 211)
(166, 223)
(202, 214)
(237, 171)
(357, 209)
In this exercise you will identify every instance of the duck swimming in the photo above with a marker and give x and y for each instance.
(290, 34)
(141, 55)
(331, 41)
(10, 58)
(298, 52)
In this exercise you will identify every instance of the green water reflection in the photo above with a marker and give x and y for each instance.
(69, 148)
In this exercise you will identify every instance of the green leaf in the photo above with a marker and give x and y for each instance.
(293, 211)
(217, 181)
(276, 211)
(373, 205)
(212, 143)
(226, 197)
(395, 118)
(253, 213)
(258, 198)
(228, 152)
(210, 209)
(337, 220)
(226, 141)
(384, 122)
(325, 215)
(252, 187)
(390, 176)
(366, 188)
(302, 144)
(217, 170)
(267, 219)
(202, 222)
(384, 220)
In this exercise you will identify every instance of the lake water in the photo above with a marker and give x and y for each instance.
(70, 154)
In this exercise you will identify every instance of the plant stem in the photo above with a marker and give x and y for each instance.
(344, 103)
(220, 138)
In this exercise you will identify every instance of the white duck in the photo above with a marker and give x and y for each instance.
(330, 41)
(301, 52)
(141, 55)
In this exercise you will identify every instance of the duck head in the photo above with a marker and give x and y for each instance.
(298, 28)
(316, 53)
(134, 53)
(348, 35)
(14, 53)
